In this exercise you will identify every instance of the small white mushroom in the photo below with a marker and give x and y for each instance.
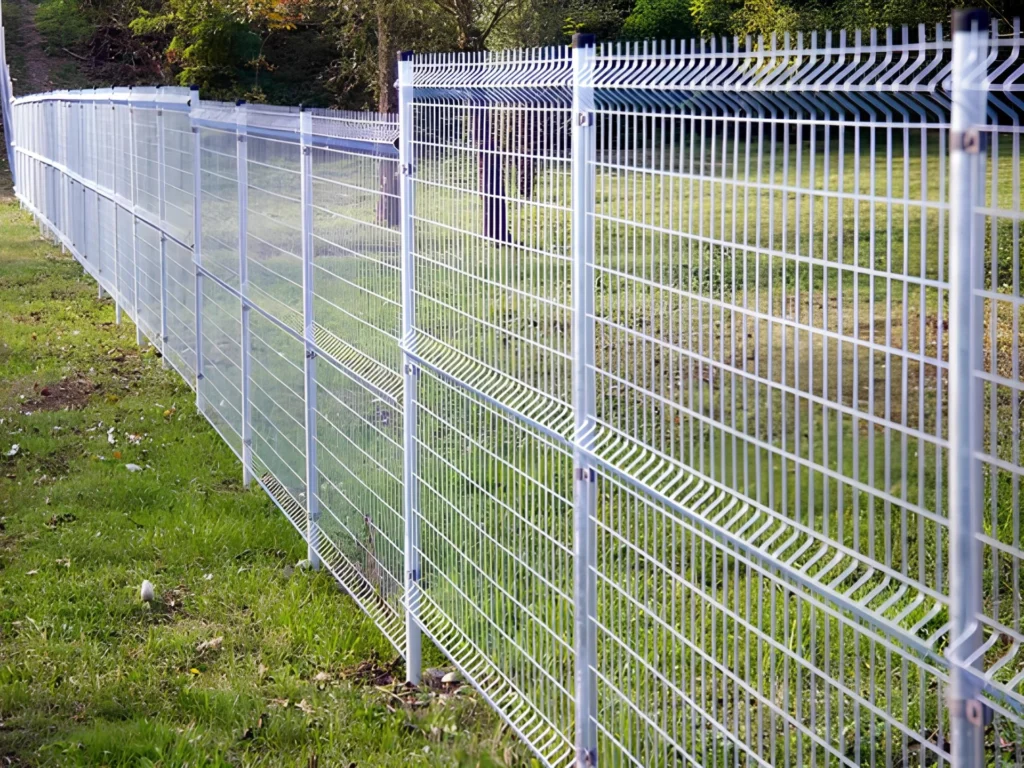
(147, 591)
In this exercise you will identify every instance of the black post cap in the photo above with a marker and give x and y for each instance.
(405, 55)
(584, 40)
(965, 18)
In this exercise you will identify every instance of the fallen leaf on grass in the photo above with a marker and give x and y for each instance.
(14, 450)
(194, 671)
(305, 707)
(32, 573)
(278, 702)
(211, 645)
(133, 467)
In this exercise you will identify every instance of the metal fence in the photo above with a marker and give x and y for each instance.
(673, 390)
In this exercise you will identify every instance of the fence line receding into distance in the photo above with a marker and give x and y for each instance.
(673, 390)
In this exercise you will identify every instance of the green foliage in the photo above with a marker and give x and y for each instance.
(210, 43)
(659, 19)
(64, 23)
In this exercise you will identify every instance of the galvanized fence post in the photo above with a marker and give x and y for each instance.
(242, 173)
(197, 189)
(584, 143)
(967, 151)
(161, 173)
(133, 197)
(92, 174)
(117, 231)
(406, 159)
(306, 198)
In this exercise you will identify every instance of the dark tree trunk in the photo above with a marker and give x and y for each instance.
(492, 179)
(388, 209)
(527, 136)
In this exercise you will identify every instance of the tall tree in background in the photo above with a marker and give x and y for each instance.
(389, 207)
(475, 21)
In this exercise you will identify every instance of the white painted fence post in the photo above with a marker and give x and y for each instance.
(117, 231)
(584, 142)
(966, 254)
(161, 173)
(306, 198)
(134, 196)
(242, 173)
(197, 220)
(406, 159)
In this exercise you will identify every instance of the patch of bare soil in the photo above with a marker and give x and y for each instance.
(372, 672)
(64, 395)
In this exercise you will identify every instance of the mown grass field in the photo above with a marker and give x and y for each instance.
(242, 659)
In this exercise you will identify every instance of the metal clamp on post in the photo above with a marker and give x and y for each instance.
(974, 711)
(972, 141)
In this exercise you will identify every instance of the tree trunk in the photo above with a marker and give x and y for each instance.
(492, 179)
(388, 209)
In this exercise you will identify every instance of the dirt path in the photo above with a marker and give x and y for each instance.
(31, 68)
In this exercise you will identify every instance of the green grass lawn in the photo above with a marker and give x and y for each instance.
(241, 659)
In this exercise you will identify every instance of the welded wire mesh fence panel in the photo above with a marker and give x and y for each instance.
(672, 467)
(146, 182)
(356, 285)
(178, 182)
(148, 279)
(770, 332)
(273, 234)
(181, 301)
(125, 258)
(219, 192)
(221, 385)
(106, 250)
(278, 413)
(491, 336)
